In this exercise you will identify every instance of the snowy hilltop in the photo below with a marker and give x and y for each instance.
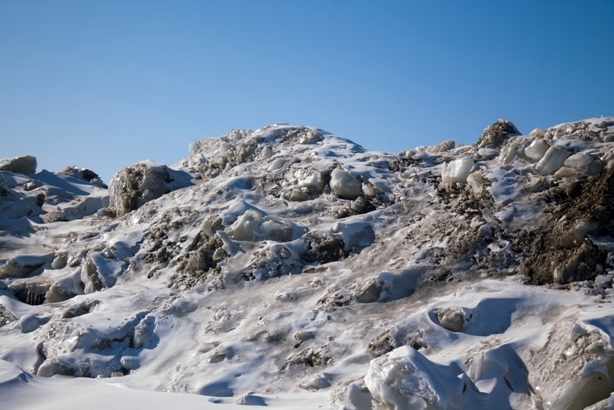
(291, 268)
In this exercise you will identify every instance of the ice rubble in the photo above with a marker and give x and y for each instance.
(288, 258)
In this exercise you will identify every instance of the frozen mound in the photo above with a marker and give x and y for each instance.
(495, 135)
(286, 263)
(137, 184)
(21, 165)
(84, 174)
(29, 200)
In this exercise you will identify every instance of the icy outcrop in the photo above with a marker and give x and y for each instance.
(495, 135)
(21, 165)
(84, 174)
(579, 161)
(140, 183)
(509, 153)
(111, 351)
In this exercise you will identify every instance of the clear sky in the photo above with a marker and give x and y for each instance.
(104, 84)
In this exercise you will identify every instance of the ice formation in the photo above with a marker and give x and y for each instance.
(344, 185)
(133, 186)
(457, 170)
(22, 165)
(292, 268)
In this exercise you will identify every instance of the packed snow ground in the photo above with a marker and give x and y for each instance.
(291, 268)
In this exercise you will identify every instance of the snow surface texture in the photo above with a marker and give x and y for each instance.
(291, 268)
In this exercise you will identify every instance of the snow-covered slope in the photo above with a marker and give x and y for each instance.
(292, 268)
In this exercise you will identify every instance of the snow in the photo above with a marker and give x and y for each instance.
(291, 268)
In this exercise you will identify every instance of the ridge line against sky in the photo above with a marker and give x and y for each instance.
(104, 84)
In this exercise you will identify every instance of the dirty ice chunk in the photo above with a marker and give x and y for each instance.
(344, 185)
(276, 164)
(592, 385)
(536, 150)
(452, 318)
(578, 161)
(457, 170)
(400, 283)
(312, 181)
(496, 134)
(508, 153)
(274, 230)
(552, 160)
(243, 229)
(142, 182)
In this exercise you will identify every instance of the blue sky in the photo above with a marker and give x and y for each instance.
(104, 84)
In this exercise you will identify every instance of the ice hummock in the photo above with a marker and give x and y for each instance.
(292, 268)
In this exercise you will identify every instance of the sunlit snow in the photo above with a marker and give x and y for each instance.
(291, 268)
